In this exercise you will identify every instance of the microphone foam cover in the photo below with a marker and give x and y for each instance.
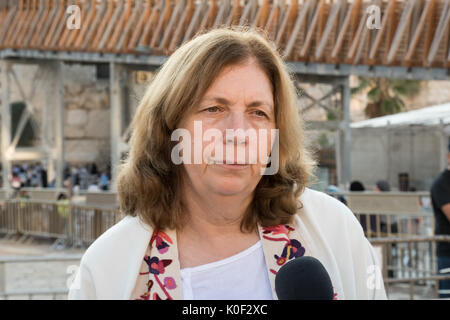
(303, 278)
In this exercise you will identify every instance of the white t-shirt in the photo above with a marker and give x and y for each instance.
(242, 276)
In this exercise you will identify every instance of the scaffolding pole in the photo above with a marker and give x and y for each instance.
(6, 125)
(117, 77)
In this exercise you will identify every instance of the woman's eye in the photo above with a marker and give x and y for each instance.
(212, 109)
(260, 113)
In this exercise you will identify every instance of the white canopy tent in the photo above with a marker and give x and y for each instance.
(430, 116)
(413, 142)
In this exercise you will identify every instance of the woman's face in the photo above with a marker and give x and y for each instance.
(239, 99)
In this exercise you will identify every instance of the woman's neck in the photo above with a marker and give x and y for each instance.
(212, 223)
(214, 214)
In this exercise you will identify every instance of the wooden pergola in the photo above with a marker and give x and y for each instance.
(322, 41)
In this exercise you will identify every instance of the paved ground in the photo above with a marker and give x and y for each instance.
(36, 275)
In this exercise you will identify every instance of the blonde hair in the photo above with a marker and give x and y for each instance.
(149, 182)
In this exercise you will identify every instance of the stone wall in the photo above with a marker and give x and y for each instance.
(87, 123)
(87, 116)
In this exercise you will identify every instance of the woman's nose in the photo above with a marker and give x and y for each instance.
(236, 120)
(238, 125)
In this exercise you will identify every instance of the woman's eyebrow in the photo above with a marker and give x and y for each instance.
(225, 101)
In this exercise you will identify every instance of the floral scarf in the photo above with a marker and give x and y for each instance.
(159, 277)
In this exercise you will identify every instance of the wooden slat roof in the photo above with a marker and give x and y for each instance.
(413, 33)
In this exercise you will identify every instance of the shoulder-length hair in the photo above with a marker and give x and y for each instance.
(149, 182)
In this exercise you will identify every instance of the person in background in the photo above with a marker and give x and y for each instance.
(16, 184)
(104, 181)
(440, 199)
(63, 206)
(23, 178)
(382, 186)
(357, 186)
(364, 219)
(94, 170)
(44, 182)
(332, 190)
(93, 187)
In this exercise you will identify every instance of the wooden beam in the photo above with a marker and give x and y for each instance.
(195, 21)
(351, 13)
(210, 17)
(384, 26)
(92, 46)
(14, 23)
(128, 29)
(54, 26)
(94, 26)
(331, 23)
(182, 25)
(12, 13)
(440, 30)
(312, 28)
(245, 17)
(261, 15)
(87, 24)
(18, 42)
(271, 26)
(112, 23)
(418, 32)
(287, 23)
(162, 23)
(171, 26)
(139, 30)
(119, 28)
(401, 30)
(41, 15)
(300, 21)
(152, 21)
(224, 8)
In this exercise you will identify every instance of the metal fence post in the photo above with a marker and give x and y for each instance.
(97, 223)
(2, 277)
(70, 223)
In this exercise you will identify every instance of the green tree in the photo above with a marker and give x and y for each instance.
(386, 96)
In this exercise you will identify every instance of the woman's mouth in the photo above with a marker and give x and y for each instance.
(232, 166)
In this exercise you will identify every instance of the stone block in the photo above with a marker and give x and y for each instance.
(76, 117)
(98, 124)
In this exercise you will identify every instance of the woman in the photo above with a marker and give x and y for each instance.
(221, 228)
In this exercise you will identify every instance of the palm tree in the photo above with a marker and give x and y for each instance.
(386, 96)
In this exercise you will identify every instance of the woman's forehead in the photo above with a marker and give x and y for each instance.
(241, 81)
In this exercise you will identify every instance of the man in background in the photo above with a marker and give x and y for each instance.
(440, 198)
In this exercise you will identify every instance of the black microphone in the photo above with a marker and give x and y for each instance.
(303, 278)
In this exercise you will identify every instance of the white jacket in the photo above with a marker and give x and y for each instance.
(325, 227)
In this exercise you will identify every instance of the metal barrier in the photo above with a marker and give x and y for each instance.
(87, 223)
(411, 260)
(388, 214)
(30, 293)
(74, 223)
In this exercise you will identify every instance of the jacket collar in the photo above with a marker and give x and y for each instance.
(159, 276)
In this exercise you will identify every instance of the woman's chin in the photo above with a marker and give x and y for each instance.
(229, 187)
